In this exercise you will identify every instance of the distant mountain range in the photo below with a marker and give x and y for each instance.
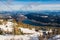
(48, 18)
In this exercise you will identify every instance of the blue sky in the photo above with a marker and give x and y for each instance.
(32, 0)
(35, 1)
(41, 1)
(29, 5)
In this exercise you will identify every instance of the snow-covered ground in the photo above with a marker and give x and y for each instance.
(26, 30)
(7, 37)
(56, 37)
(8, 26)
(28, 34)
(18, 37)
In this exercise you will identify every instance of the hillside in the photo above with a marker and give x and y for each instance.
(47, 19)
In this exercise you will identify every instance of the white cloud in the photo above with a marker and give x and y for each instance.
(29, 7)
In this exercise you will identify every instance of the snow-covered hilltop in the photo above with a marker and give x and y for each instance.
(12, 30)
(56, 37)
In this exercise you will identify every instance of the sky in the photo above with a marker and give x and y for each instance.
(29, 5)
(32, 0)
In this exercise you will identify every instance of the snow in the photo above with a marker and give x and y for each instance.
(1, 20)
(26, 30)
(56, 37)
(44, 16)
(50, 31)
(18, 37)
(2, 37)
(33, 35)
(41, 32)
(26, 37)
(21, 15)
(9, 27)
(9, 24)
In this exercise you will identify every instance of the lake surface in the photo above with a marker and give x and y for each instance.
(27, 21)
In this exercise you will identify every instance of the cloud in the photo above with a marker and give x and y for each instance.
(28, 7)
